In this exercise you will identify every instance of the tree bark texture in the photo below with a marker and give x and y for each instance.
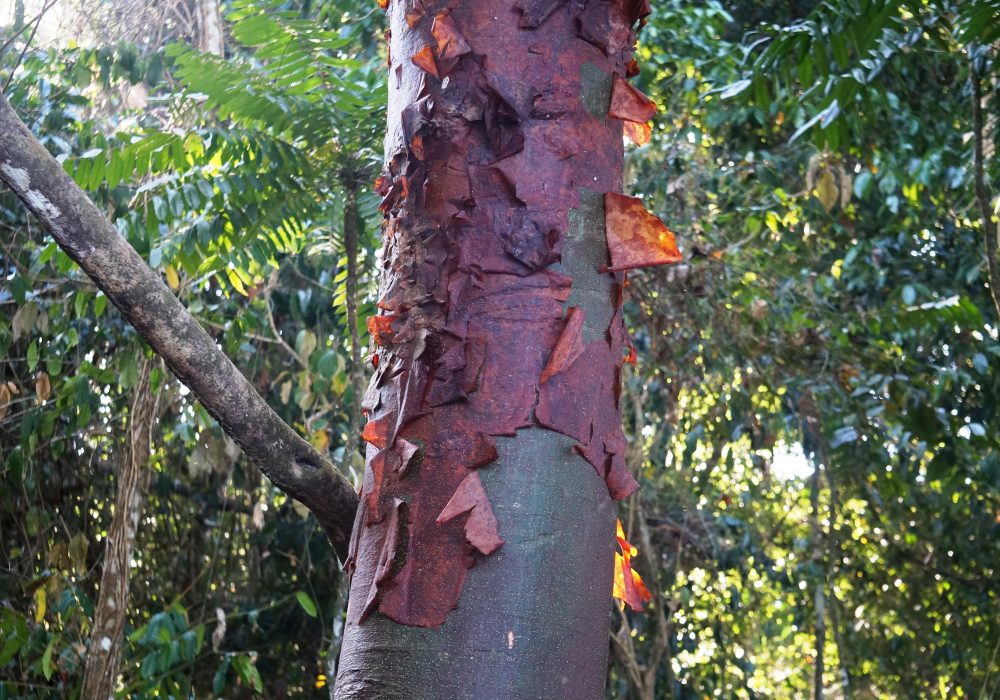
(191, 354)
(111, 608)
(482, 553)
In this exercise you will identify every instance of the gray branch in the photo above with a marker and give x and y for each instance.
(148, 304)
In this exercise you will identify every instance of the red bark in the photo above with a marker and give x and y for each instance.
(499, 138)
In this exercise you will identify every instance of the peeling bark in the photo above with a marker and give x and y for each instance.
(191, 354)
(482, 554)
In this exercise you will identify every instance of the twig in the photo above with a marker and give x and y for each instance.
(19, 32)
(37, 22)
(277, 334)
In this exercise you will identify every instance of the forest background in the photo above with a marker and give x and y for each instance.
(813, 416)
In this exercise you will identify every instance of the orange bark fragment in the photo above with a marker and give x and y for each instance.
(376, 432)
(638, 10)
(390, 304)
(424, 59)
(481, 526)
(636, 238)
(632, 107)
(384, 4)
(629, 103)
(380, 328)
(568, 347)
(633, 357)
(450, 43)
(628, 585)
(627, 548)
(639, 134)
(417, 146)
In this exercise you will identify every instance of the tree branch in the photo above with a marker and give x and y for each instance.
(148, 304)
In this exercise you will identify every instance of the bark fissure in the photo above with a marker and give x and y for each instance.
(191, 354)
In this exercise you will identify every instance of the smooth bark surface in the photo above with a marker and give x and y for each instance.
(482, 555)
(191, 354)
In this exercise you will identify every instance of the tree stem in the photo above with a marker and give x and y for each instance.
(105, 651)
(357, 371)
(982, 193)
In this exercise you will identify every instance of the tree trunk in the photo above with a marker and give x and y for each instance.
(210, 38)
(18, 15)
(105, 651)
(495, 438)
(990, 235)
(357, 372)
(812, 446)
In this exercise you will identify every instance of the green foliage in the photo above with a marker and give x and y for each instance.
(831, 317)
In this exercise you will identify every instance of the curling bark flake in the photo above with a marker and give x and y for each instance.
(500, 346)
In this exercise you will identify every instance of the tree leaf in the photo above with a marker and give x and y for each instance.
(5, 397)
(306, 602)
(32, 356)
(826, 190)
(235, 280)
(39, 605)
(43, 387)
(47, 659)
(78, 546)
(826, 116)
(305, 344)
(734, 89)
(24, 319)
(173, 279)
(248, 672)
